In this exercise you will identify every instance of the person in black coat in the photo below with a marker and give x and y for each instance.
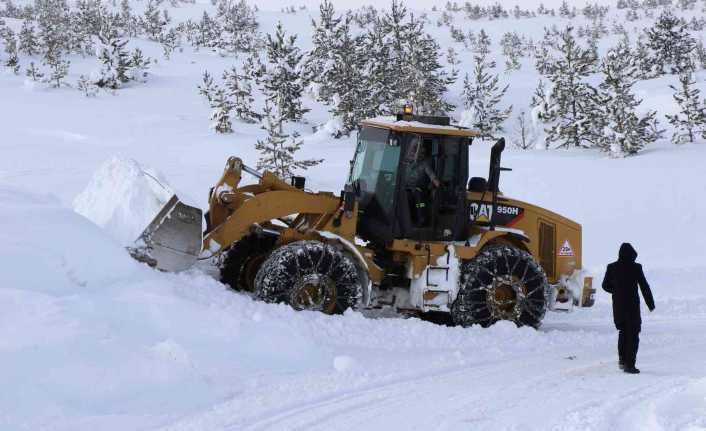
(621, 280)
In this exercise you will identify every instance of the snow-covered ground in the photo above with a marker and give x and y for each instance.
(91, 340)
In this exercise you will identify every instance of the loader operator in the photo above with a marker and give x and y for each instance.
(419, 174)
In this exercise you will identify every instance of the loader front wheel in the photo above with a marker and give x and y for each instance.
(243, 259)
(310, 275)
(501, 283)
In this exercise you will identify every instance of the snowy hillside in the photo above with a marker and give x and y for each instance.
(90, 339)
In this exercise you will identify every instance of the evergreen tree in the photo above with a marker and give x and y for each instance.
(128, 21)
(87, 87)
(221, 108)
(512, 50)
(412, 72)
(54, 25)
(379, 72)
(318, 66)
(28, 39)
(170, 40)
(576, 118)
(543, 109)
(33, 72)
(138, 66)
(700, 55)
(482, 43)
(115, 59)
(278, 150)
(671, 43)
(152, 21)
(282, 80)
(565, 11)
(239, 91)
(238, 25)
(424, 75)
(207, 88)
(482, 95)
(690, 121)
(624, 132)
(58, 67)
(12, 61)
(347, 80)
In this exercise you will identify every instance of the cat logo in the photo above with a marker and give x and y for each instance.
(566, 249)
(505, 215)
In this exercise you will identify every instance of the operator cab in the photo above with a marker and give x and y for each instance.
(409, 176)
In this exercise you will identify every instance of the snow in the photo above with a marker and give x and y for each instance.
(123, 198)
(90, 339)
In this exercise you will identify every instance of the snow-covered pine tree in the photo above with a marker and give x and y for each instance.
(671, 43)
(253, 67)
(347, 83)
(139, 65)
(221, 109)
(86, 86)
(393, 31)
(54, 25)
(424, 77)
(690, 121)
(12, 61)
(278, 150)
(482, 43)
(481, 95)
(207, 32)
(33, 72)
(88, 16)
(152, 21)
(239, 91)
(522, 138)
(577, 119)
(700, 55)
(28, 39)
(412, 71)
(318, 64)
(282, 80)
(207, 88)
(543, 108)
(453, 61)
(114, 58)
(58, 67)
(379, 73)
(170, 40)
(565, 11)
(624, 132)
(238, 24)
(512, 50)
(128, 21)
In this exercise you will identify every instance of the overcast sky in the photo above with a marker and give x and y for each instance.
(416, 4)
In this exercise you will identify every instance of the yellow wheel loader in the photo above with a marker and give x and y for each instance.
(413, 230)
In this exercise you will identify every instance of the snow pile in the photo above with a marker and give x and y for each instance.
(123, 198)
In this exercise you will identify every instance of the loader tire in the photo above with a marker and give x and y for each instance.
(501, 283)
(310, 275)
(243, 259)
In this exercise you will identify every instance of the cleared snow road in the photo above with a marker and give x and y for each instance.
(539, 391)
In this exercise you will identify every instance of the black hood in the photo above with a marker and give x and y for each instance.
(627, 253)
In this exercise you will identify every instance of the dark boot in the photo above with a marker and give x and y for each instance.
(631, 370)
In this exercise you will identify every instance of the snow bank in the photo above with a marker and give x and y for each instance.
(123, 198)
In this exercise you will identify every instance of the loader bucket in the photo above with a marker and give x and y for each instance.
(172, 241)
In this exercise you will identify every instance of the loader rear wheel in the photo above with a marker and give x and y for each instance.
(501, 283)
(243, 259)
(310, 275)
